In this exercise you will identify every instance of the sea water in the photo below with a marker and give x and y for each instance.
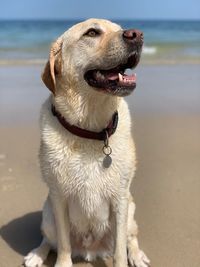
(165, 41)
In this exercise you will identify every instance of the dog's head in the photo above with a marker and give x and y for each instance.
(94, 55)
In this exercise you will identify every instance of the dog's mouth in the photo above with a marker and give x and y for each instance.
(114, 81)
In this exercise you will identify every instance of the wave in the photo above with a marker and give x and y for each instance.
(149, 50)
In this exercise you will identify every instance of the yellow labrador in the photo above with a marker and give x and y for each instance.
(87, 154)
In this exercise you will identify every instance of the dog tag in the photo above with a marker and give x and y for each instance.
(107, 161)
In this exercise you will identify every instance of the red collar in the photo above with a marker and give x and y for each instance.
(106, 132)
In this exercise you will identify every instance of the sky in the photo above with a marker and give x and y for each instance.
(116, 9)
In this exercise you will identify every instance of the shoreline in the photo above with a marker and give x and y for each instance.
(144, 62)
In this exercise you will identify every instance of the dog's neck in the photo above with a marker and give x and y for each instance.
(87, 110)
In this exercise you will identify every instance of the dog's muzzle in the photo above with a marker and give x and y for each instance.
(115, 81)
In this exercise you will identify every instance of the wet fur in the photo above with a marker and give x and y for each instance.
(89, 211)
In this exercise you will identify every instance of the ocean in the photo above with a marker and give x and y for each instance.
(165, 41)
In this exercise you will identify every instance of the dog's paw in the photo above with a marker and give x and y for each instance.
(33, 259)
(138, 259)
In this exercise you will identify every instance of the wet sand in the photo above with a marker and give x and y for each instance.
(166, 115)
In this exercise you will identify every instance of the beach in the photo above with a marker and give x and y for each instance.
(165, 112)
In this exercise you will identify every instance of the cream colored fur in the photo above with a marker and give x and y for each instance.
(89, 211)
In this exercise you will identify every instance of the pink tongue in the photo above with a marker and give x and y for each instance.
(126, 79)
(112, 76)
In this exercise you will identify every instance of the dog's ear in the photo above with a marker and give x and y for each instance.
(53, 66)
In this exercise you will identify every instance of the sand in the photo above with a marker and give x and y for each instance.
(166, 115)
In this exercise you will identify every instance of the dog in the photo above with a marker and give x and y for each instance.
(87, 154)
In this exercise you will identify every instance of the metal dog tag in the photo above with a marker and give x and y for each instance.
(107, 161)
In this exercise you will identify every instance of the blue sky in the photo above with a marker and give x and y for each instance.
(68, 9)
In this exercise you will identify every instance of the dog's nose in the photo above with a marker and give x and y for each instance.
(132, 35)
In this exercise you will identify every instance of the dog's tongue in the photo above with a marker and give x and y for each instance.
(123, 79)
(112, 76)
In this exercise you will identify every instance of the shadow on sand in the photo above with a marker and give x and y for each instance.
(23, 234)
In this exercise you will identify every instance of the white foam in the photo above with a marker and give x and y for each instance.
(149, 50)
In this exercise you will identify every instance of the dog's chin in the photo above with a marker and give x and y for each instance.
(115, 81)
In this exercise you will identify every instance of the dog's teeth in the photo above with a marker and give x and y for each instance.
(120, 77)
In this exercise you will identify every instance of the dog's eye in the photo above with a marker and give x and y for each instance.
(92, 33)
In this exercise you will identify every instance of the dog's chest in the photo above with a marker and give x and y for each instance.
(87, 185)
(82, 174)
(76, 166)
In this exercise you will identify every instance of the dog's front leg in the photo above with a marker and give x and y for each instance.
(120, 254)
(62, 231)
